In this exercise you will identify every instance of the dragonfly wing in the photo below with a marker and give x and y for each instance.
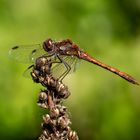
(59, 68)
(75, 65)
(27, 72)
(27, 53)
(36, 53)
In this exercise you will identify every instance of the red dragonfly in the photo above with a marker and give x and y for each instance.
(65, 53)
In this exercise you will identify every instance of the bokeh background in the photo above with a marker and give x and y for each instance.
(102, 105)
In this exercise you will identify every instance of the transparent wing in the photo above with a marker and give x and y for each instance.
(26, 54)
(59, 68)
(27, 72)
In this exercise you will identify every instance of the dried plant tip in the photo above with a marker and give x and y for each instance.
(42, 137)
(56, 124)
(54, 112)
(63, 121)
(46, 118)
(73, 135)
(63, 110)
(43, 96)
(45, 133)
(42, 99)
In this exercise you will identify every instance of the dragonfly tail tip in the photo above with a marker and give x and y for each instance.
(136, 82)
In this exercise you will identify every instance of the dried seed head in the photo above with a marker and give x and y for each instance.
(46, 118)
(42, 99)
(62, 90)
(41, 61)
(55, 124)
(43, 96)
(45, 133)
(43, 105)
(63, 121)
(41, 79)
(51, 81)
(72, 135)
(47, 70)
(35, 75)
(63, 110)
(42, 137)
(54, 113)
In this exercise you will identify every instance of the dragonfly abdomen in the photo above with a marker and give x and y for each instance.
(125, 76)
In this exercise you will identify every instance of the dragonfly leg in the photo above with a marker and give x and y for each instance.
(47, 56)
(60, 60)
(68, 68)
(55, 56)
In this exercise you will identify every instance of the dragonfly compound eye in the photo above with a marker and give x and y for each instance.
(48, 45)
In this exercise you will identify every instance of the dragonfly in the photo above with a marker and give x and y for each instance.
(65, 53)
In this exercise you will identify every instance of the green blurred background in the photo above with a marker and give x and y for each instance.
(102, 105)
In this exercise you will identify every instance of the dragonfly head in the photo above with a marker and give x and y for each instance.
(48, 45)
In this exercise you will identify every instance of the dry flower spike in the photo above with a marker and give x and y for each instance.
(56, 124)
